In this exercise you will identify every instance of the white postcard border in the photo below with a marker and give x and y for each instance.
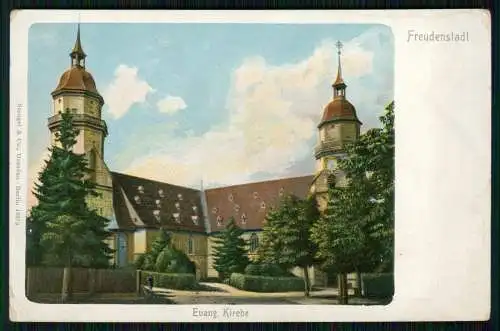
(443, 187)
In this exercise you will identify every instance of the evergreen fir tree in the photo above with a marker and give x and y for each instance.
(230, 253)
(63, 225)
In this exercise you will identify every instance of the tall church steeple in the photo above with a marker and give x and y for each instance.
(338, 126)
(77, 93)
(339, 86)
(77, 54)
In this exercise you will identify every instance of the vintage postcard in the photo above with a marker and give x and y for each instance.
(210, 166)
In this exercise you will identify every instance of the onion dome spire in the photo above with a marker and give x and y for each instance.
(77, 54)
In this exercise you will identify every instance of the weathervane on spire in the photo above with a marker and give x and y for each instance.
(339, 85)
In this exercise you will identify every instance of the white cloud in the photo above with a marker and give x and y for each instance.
(273, 113)
(125, 90)
(171, 105)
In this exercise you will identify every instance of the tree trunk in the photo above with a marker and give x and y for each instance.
(307, 282)
(357, 289)
(345, 288)
(342, 288)
(66, 286)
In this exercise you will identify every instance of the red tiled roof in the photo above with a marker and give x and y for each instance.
(339, 109)
(251, 201)
(140, 202)
(76, 78)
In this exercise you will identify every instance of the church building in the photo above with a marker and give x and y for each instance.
(139, 207)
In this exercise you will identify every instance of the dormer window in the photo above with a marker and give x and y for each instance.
(263, 205)
(215, 210)
(179, 196)
(177, 205)
(255, 195)
(156, 214)
(177, 217)
(194, 218)
(230, 197)
(244, 218)
(282, 191)
(237, 208)
(140, 189)
(219, 220)
(137, 199)
(161, 193)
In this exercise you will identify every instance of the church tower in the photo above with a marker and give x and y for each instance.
(77, 92)
(339, 126)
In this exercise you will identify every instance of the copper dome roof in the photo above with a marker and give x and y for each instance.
(78, 79)
(339, 109)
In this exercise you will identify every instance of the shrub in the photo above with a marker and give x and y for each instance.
(378, 285)
(253, 269)
(263, 269)
(139, 261)
(172, 281)
(171, 260)
(266, 283)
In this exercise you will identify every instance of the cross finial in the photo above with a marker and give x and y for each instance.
(339, 46)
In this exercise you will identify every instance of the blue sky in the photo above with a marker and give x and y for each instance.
(226, 103)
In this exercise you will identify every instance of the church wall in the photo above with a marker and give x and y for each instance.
(92, 107)
(130, 247)
(332, 131)
(140, 241)
(211, 272)
(348, 132)
(92, 137)
(102, 204)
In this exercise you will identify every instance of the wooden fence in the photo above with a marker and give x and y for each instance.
(49, 280)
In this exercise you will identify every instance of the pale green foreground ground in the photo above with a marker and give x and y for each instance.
(217, 293)
(212, 293)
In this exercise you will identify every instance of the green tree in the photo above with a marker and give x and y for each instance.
(230, 253)
(355, 233)
(68, 232)
(340, 239)
(370, 168)
(159, 244)
(286, 239)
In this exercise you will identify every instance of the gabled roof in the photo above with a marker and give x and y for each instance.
(249, 203)
(144, 203)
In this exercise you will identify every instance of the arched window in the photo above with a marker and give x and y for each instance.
(254, 242)
(190, 245)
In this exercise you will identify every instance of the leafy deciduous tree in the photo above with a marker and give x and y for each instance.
(286, 239)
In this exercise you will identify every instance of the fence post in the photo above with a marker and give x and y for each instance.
(138, 282)
(91, 280)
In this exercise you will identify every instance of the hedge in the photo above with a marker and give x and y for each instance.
(270, 270)
(172, 281)
(265, 283)
(378, 285)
